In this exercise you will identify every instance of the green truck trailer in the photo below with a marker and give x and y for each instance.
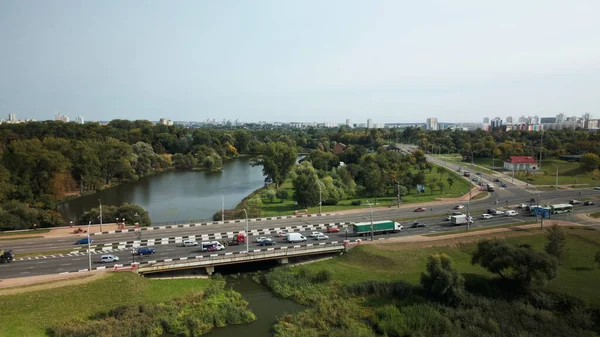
(379, 227)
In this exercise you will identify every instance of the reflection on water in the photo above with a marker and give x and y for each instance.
(177, 195)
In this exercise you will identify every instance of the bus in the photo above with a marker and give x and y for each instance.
(562, 208)
(535, 209)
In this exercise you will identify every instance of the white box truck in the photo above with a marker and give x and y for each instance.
(460, 219)
(295, 237)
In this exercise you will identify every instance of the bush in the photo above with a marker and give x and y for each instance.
(355, 203)
(330, 202)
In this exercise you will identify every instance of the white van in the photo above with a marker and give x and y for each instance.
(511, 213)
(210, 246)
(295, 237)
(190, 243)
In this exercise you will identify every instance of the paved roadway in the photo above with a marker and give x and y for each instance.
(75, 262)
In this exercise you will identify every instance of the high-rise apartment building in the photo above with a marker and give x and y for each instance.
(61, 117)
(12, 117)
(496, 122)
(369, 123)
(432, 123)
(486, 120)
(509, 120)
(560, 118)
(79, 120)
(522, 120)
(349, 123)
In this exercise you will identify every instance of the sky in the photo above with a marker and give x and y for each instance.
(309, 60)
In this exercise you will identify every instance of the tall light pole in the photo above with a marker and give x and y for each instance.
(371, 207)
(398, 194)
(556, 186)
(89, 248)
(472, 163)
(223, 206)
(247, 237)
(541, 148)
(100, 201)
(469, 214)
(320, 197)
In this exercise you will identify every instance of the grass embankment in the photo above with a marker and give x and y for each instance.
(595, 215)
(459, 188)
(31, 313)
(578, 275)
(28, 232)
(479, 229)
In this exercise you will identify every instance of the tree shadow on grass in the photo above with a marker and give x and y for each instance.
(582, 268)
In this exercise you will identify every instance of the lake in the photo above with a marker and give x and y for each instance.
(176, 195)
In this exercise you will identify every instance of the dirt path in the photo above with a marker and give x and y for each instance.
(43, 282)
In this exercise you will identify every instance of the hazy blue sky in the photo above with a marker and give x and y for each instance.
(307, 60)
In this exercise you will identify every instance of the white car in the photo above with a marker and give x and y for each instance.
(315, 234)
(321, 236)
(189, 243)
(511, 213)
(499, 212)
(448, 218)
(261, 239)
(109, 258)
(522, 205)
(597, 188)
(486, 216)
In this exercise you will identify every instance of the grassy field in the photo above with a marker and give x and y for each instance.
(459, 188)
(578, 274)
(39, 231)
(479, 229)
(595, 215)
(30, 313)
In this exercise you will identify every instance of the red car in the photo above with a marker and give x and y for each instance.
(332, 229)
(421, 209)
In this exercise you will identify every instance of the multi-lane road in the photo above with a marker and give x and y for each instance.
(167, 241)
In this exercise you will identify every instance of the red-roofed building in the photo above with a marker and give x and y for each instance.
(521, 163)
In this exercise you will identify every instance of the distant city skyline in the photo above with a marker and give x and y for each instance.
(388, 61)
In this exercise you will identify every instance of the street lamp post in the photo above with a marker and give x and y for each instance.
(469, 214)
(346, 233)
(320, 197)
(100, 214)
(371, 208)
(223, 206)
(556, 186)
(89, 247)
(398, 194)
(247, 237)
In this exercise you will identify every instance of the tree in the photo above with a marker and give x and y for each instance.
(441, 170)
(442, 281)
(277, 160)
(305, 180)
(269, 194)
(590, 161)
(402, 190)
(520, 264)
(431, 184)
(282, 194)
(597, 259)
(556, 241)
(184, 161)
(441, 185)
(213, 162)
(450, 182)
(144, 158)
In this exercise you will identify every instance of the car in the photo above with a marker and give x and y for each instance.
(332, 229)
(109, 258)
(313, 234)
(471, 164)
(83, 241)
(456, 213)
(496, 180)
(459, 207)
(448, 218)
(321, 236)
(478, 173)
(597, 188)
(491, 211)
(589, 203)
(267, 242)
(522, 206)
(574, 202)
(502, 185)
(420, 209)
(260, 239)
(495, 212)
(282, 233)
(146, 251)
(418, 225)
(189, 243)
(486, 216)
(511, 213)
(475, 179)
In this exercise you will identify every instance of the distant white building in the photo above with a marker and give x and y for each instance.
(79, 120)
(509, 120)
(61, 117)
(369, 123)
(12, 117)
(432, 123)
(165, 121)
(348, 122)
(486, 120)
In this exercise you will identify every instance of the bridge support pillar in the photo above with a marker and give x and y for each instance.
(283, 260)
(210, 270)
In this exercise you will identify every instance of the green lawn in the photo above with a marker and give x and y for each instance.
(569, 173)
(459, 188)
(578, 274)
(31, 313)
(29, 232)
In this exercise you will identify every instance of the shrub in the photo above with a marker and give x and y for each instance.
(330, 202)
(355, 203)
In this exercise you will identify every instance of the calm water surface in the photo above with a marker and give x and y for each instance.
(177, 195)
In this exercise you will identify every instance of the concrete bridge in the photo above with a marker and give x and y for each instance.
(281, 254)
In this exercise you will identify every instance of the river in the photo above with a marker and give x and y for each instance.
(176, 195)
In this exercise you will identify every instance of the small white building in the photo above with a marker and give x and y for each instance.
(521, 163)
